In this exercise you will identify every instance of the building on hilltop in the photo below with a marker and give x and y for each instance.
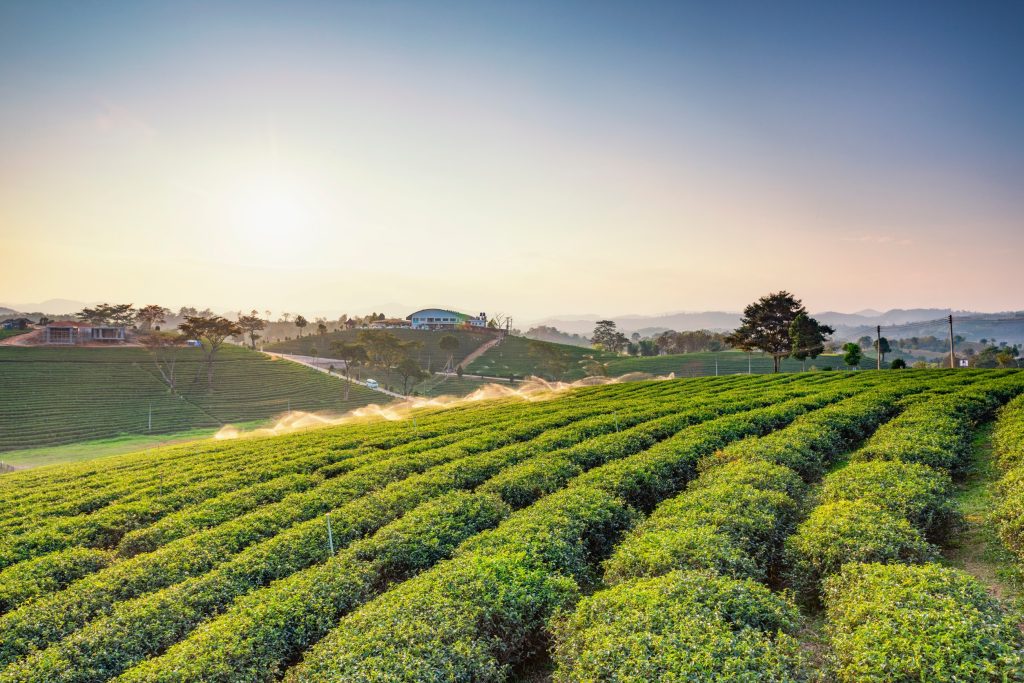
(390, 324)
(68, 332)
(443, 319)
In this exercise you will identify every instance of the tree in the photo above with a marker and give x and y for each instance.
(852, 354)
(882, 347)
(300, 322)
(163, 347)
(607, 337)
(864, 342)
(108, 314)
(807, 337)
(352, 354)
(648, 347)
(321, 328)
(211, 332)
(550, 357)
(251, 325)
(449, 343)
(384, 349)
(409, 370)
(765, 326)
(898, 364)
(150, 316)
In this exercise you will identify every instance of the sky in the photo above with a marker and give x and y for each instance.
(529, 158)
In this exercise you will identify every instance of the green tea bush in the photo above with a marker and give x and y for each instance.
(899, 623)
(850, 531)
(683, 626)
(913, 491)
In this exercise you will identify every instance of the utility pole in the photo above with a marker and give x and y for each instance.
(878, 347)
(952, 358)
(748, 363)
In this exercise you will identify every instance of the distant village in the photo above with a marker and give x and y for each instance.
(123, 322)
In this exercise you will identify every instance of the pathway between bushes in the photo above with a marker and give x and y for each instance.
(974, 547)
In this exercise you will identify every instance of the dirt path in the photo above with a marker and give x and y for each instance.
(975, 548)
(317, 364)
(479, 351)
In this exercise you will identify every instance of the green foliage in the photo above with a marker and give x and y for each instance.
(683, 626)
(211, 561)
(850, 531)
(852, 354)
(913, 491)
(898, 364)
(918, 623)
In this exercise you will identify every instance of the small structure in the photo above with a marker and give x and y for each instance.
(443, 319)
(70, 332)
(16, 324)
(389, 324)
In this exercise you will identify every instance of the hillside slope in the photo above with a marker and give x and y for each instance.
(58, 396)
(428, 354)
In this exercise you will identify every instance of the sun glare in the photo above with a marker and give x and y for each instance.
(270, 216)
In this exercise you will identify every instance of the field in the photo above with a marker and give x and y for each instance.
(513, 356)
(747, 528)
(61, 396)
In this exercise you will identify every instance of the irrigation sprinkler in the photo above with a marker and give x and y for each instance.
(330, 534)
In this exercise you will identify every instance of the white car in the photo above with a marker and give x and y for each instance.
(372, 384)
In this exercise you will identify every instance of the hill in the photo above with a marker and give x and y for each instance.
(429, 355)
(454, 538)
(60, 396)
(513, 356)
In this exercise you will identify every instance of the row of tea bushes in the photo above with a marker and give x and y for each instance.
(892, 615)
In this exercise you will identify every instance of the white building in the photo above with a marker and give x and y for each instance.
(443, 319)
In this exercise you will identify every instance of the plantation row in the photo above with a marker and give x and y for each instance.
(57, 615)
(1008, 443)
(461, 543)
(198, 554)
(57, 396)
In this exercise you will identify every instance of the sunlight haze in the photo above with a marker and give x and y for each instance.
(533, 158)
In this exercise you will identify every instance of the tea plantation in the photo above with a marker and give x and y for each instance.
(683, 530)
(55, 396)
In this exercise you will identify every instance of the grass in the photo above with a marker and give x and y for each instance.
(6, 334)
(99, 448)
(974, 547)
(61, 396)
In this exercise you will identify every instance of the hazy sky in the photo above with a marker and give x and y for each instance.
(530, 158)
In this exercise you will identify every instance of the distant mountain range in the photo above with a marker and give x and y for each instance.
(896, 323)
(49, 307)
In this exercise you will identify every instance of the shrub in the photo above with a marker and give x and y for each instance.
(910, 490)
(683, 626)
(918, 623)
(462, 622)
(849, 531)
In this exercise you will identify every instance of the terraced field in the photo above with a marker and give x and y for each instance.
(629, 532)
(60, 396)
